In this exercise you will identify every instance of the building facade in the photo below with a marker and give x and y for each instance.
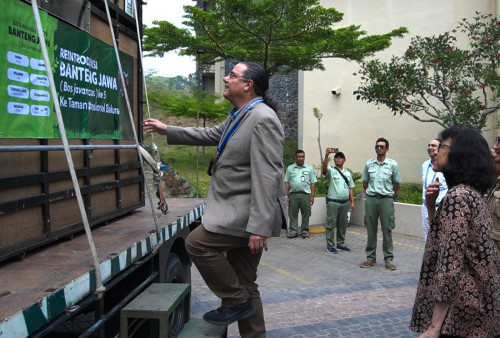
(352, 125)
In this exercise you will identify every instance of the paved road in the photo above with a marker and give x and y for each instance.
(308, 292)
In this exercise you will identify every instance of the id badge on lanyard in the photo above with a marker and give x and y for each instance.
(229, 134)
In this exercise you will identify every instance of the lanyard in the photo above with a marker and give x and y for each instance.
(427, 173)
(227, 136)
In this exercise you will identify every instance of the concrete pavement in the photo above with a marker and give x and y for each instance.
(308, 292)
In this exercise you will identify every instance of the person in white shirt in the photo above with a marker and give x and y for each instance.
(428, 176)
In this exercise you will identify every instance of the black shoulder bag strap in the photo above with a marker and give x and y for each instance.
(343, 176)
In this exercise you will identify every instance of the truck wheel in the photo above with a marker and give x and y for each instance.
(175, 273)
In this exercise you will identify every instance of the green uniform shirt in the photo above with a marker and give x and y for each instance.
(300, 178)
(337, 188)
(380, 177)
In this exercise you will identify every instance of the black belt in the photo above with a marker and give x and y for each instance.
(336, 201)
(379, 196)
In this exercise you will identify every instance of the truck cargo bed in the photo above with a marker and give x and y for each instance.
(64, 268)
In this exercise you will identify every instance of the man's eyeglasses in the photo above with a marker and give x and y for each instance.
(379, 146)
(234, 76)
(497, 141)
(441, 145)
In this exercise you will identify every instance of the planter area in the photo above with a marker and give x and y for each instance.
(408, 217)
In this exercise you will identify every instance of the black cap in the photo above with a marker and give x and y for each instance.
(339, 154)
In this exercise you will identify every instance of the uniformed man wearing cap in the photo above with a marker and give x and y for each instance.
(339, 200)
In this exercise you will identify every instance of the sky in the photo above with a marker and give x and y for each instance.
(171, 64)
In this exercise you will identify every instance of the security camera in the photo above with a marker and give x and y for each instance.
(336, 91)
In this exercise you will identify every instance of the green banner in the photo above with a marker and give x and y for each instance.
(85, 73)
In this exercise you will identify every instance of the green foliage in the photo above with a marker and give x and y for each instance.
(322, 186)
(156, 82)
(410, 193)
(282, 35)
(318, 115)
(435, 81)
(355, 175)
(183, 159)
(289, 149)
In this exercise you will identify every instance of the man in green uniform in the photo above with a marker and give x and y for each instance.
(494, 199)
(381, 181)
(338, 201)
(300, 183)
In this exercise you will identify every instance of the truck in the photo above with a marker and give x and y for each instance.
(48, 277)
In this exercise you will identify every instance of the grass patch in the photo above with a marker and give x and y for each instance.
(410, 193)
(183, 159)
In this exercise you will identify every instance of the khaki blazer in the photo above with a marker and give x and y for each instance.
(246, 194)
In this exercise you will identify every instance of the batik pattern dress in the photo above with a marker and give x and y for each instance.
(459, 268)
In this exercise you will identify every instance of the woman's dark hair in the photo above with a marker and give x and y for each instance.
(469, 159)
(260, 78)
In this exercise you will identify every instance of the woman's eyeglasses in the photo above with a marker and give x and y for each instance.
(441, 145)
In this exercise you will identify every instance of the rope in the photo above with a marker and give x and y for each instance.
(99, 286)
(131, 118)
(154, 148)
(142, 63)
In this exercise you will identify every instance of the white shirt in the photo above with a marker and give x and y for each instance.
(428, 176)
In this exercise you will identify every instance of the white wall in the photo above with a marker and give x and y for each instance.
(353, 126)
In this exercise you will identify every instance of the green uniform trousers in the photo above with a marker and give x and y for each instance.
(336, 219)
(376, 208)
(299, 201)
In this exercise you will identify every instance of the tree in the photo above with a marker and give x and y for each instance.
(155, 82)
(318, 115)
(282, 35)
(190, 103)
(435, 81)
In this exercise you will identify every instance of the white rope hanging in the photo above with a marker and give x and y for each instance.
(131, 118)
(99, 286)
(142, 62)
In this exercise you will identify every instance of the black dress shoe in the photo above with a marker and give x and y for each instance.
(226, 315)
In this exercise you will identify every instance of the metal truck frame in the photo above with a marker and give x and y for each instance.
(47, 279)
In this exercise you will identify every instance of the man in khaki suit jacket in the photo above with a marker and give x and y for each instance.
(246, 200)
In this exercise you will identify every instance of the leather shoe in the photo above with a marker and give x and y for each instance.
(389, 265)
(368, 264)
(223, 316)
